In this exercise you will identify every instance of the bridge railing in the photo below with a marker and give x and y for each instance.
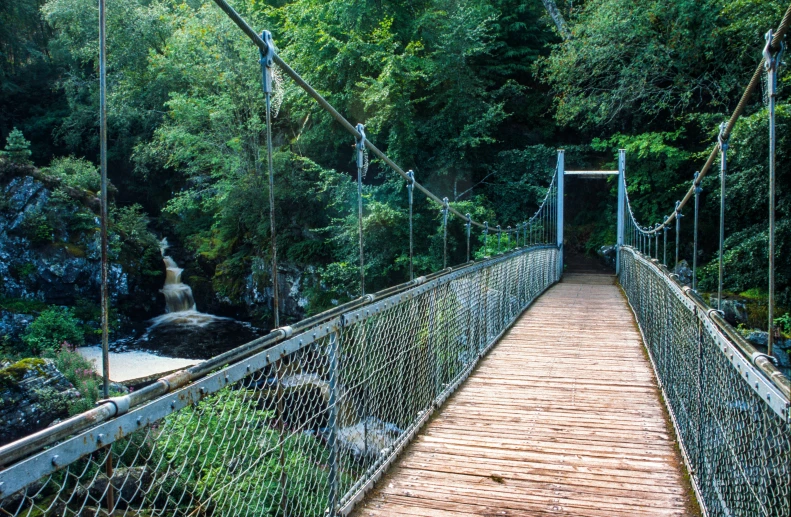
(302, 428)
(729, 404)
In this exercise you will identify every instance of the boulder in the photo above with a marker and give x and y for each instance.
(33, 394)
(607, 255)
(684, 273)
(734, 309)
(13, 325)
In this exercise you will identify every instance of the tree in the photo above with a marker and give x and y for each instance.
(17, 149)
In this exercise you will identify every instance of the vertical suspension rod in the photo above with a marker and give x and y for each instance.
(266, 76)
(469, 228)
(444, 233)
(678, 233)
(723, 143)
(698, 190)
(411, 190)
(360, 164)
(771, 60)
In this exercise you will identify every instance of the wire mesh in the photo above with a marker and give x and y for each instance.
(300, 429)
(738, 448)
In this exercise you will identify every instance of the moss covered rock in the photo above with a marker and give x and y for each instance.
(33, 394)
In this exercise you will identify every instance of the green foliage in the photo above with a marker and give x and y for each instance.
(635, 64)
(215, 463)
(76, 172)
(21, 305)
(17, 149)
(52, 329)
(784, 323)
(51, 401)
(80, 373)
(133, 244)
(38, 228)
(474, 95)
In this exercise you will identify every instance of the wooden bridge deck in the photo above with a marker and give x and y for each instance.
(563, 417)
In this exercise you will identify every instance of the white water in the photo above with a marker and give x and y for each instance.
(179, 303)
(133, 364)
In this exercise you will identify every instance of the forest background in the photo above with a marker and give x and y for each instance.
(474, 95)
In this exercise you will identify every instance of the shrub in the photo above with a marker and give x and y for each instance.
(784, 323)
(51, 329)
(76, 172)
(38, 228)
(212, 464)
(79, 371)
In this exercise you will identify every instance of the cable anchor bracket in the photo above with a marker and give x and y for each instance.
(722, 140)
(267, 60)
(772, 57)
(360, 145)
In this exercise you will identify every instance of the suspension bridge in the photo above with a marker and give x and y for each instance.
(517, 384)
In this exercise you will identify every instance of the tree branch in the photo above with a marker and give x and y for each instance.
(557, 17)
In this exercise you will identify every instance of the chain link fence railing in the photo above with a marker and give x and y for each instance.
(732, 419)
(303, 428)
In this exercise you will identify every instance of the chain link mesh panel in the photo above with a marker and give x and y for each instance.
(301, 429)
(737, 446)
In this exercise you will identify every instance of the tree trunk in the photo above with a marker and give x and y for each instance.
(557, 17)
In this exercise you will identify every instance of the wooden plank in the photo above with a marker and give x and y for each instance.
(562, 417)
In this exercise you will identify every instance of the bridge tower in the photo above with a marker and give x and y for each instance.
(562, 173)
(621, 208)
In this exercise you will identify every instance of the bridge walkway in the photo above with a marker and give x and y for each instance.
(563, 417)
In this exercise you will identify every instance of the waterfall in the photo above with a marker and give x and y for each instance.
(179, 303)
(178, 296)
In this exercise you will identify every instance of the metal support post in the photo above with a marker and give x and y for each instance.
(499, 238)
(664, 247)
(103, 219)
(333, 424)
(105, 291)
